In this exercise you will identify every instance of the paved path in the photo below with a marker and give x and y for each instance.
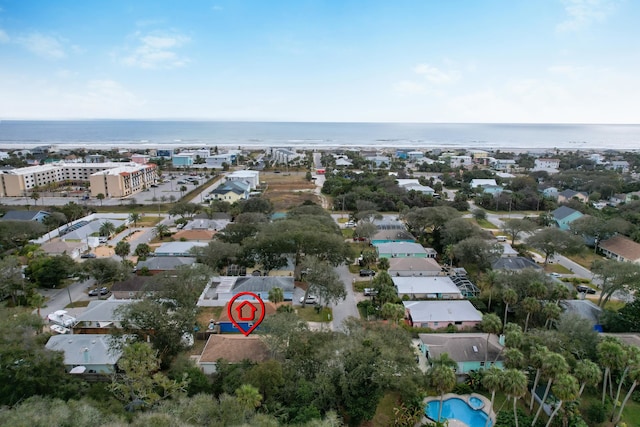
(346, 308)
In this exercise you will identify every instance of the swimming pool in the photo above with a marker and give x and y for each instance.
(458, 409)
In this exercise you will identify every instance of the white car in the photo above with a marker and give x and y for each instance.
(59, 329)
(311, 299)
(555, 274)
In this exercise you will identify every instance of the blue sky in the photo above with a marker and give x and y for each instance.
(491, 61)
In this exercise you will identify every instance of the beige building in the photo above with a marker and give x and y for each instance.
(123, 181)
(18, 182)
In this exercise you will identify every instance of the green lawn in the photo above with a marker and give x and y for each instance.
(483, 223)
(310, 314)
(384, 412)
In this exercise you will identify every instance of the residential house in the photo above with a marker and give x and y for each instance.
(178, 249)
(135, 287)
(515, 263)
(401, 250)
(387, 236)
(25, 216)
(546, 164)
(229, 286)
(566, 195)
(563, 216)
(504, 164)
(433, 287)
(407, 267)
(342, 162)
(218, 161)
(414, 184)
(550, 192)
(156, 265)
(250, 177)
(379, 161)
(483, 183)
(460, 161)
(59, 247)
(440, 314)
(415, 155)
(245, 312)
(231, 191)
(616, 199)
(231, 349)
(621, 166)
(468, 350)
(100, 317)
(90, 353)
(585, 309)
(621, 248)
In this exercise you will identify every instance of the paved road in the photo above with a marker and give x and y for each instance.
(346, 308)
(58, 299)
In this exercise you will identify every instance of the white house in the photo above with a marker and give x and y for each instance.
(434, 287)
(250, 176)
(440, 314)
(483, 183)
(91, 353)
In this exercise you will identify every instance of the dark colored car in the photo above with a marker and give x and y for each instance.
(585, 289)
(367, 273)
(89, 255)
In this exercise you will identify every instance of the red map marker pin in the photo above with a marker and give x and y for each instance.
(246, 312)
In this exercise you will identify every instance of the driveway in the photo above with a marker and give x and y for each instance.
(346, 308)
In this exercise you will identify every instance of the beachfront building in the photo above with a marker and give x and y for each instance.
(218, 161)
(17, 182)
(123, 180)
(284, 155)
(548, 165)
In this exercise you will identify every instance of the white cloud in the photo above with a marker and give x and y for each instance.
(408, 87)
(157, 50)
(436, 75)
(582, 13)
(43, 45)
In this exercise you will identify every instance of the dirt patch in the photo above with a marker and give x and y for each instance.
(286, 190)
(104, 252)
(133, 236)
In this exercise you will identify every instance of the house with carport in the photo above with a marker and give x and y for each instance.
(468, 350)
(100, 317)
(621, 248)
(418, 267)
(441, 313)
(403, 250)
(433, 287)
(86, 353)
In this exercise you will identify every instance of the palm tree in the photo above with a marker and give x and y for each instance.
(631, 361)
(491, 324)
(100, 197)
(134, 217)
(492, 381)
(514, 385)
(122, 249)
(183, 188)
(610, 354)
(161, 230)
(248, 396)
(107, 229)
(587, 372)
(509, 297)
(536, 358)
(443, 379)
(276, 295)
(635, 376)
(513, 358)
(553, 365)
(565, 388)
(530, 305)
(551, 312)
(35, 196)
(489, 283)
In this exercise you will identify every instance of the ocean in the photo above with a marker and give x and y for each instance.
(165, 134)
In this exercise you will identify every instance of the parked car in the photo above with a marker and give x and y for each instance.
(311, 299)
(367, 273)
(88, 255)
(94, 292)
(585, 289)
(59, 329)
(370, 292)
(104, 291)
(555, 274)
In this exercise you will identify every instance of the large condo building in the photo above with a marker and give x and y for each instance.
(110, 179)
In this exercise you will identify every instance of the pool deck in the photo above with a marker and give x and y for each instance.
(452, 421)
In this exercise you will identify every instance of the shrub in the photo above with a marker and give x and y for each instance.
(596, 413)
(462, 389)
